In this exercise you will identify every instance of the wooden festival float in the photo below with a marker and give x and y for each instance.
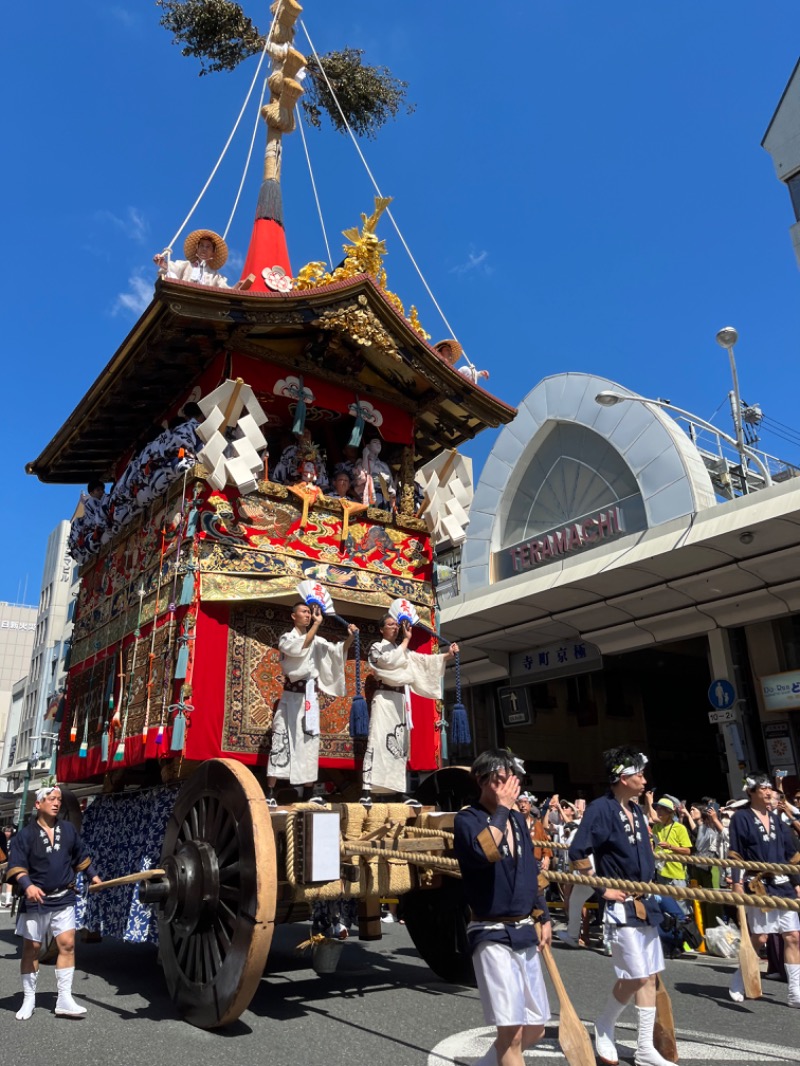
(174, 672)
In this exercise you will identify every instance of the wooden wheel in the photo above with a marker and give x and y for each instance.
(436, 920)
(448, 789)
(217, 901)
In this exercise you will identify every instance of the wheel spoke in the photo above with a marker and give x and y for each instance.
(231, 913)
(223, 935)
(201, 817)
(198, 959)
(211, 954)
(227, 873)
(182, 952)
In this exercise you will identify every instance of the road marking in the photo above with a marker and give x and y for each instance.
(693, 1047)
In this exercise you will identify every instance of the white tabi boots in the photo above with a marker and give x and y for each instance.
(604, 1045)
(646, 1054)
(66, 1007)
(28, 996)
(736, 990)
(793, 977)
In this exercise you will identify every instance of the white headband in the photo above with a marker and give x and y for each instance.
(626, 771)
(755, 782)
(43, 793)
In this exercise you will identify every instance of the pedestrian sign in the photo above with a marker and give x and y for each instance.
(721, 694)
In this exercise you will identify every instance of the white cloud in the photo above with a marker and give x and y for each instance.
(122, 15)
(474, 261)
(133, 224)
(233, 266)
(137, 297)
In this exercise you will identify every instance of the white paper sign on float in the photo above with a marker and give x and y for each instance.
(232, 436)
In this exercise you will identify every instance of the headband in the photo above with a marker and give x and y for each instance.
(754, 782)
(43, 793)
(620, 770)
(517, 765)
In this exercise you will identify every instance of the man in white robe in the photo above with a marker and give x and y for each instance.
(399, 672)
(205, 253)
(309, 663)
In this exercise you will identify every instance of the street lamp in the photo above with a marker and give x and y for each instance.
(608, 398)
(727, 338)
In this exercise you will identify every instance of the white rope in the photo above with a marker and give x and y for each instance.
(230, 138)
(247, 161)
(314, 186)
(378, 191)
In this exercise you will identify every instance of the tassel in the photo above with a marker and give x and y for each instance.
(178, 732)
(359, 717)
(460, 725)
(191, 525)
(187, 589)
(73, 733)
(119, 754)
(359, 711)
(459, 721)
(358, 427)
(299, 423)
(182, 663)
(160, 735)
(83, 751)
(443, 731)
(104, 746)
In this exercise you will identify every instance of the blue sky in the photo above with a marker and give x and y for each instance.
(582, 185)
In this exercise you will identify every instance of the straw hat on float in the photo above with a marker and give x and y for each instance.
(450, 350)
(220, 256)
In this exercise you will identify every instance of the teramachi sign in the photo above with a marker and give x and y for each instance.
(576, 536)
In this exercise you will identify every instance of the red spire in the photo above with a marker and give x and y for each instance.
(268, 248)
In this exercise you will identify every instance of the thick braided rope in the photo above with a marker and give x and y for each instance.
(738, 864)
(706, 895)
(703, 860)
(413, 831)
(416, 858)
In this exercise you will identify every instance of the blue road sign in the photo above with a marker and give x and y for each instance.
(721, 694)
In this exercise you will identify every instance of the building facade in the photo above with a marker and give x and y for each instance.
(17, 632)
(31, 733)
(609, 593)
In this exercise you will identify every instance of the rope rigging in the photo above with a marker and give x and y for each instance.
(353, 138)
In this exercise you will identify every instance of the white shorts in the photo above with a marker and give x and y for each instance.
(511, 985)
(772, 921)
(35, 924)
(636, 950)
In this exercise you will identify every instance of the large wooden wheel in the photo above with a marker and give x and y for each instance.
(448, 789)
(436, 919)
(217, 901)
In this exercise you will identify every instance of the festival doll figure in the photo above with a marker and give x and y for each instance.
(310, 664)
(378, 485)
(399, 673)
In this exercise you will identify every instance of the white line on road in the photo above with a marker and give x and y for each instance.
(693, 1047)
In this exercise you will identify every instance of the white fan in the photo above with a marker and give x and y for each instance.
(403, 611)
(315, 593)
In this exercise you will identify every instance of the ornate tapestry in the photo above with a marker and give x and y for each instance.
(255, 683)
(256, 547)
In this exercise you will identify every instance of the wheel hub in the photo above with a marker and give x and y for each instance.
(188, 894)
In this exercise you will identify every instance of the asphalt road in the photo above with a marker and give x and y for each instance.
(382, 1006)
